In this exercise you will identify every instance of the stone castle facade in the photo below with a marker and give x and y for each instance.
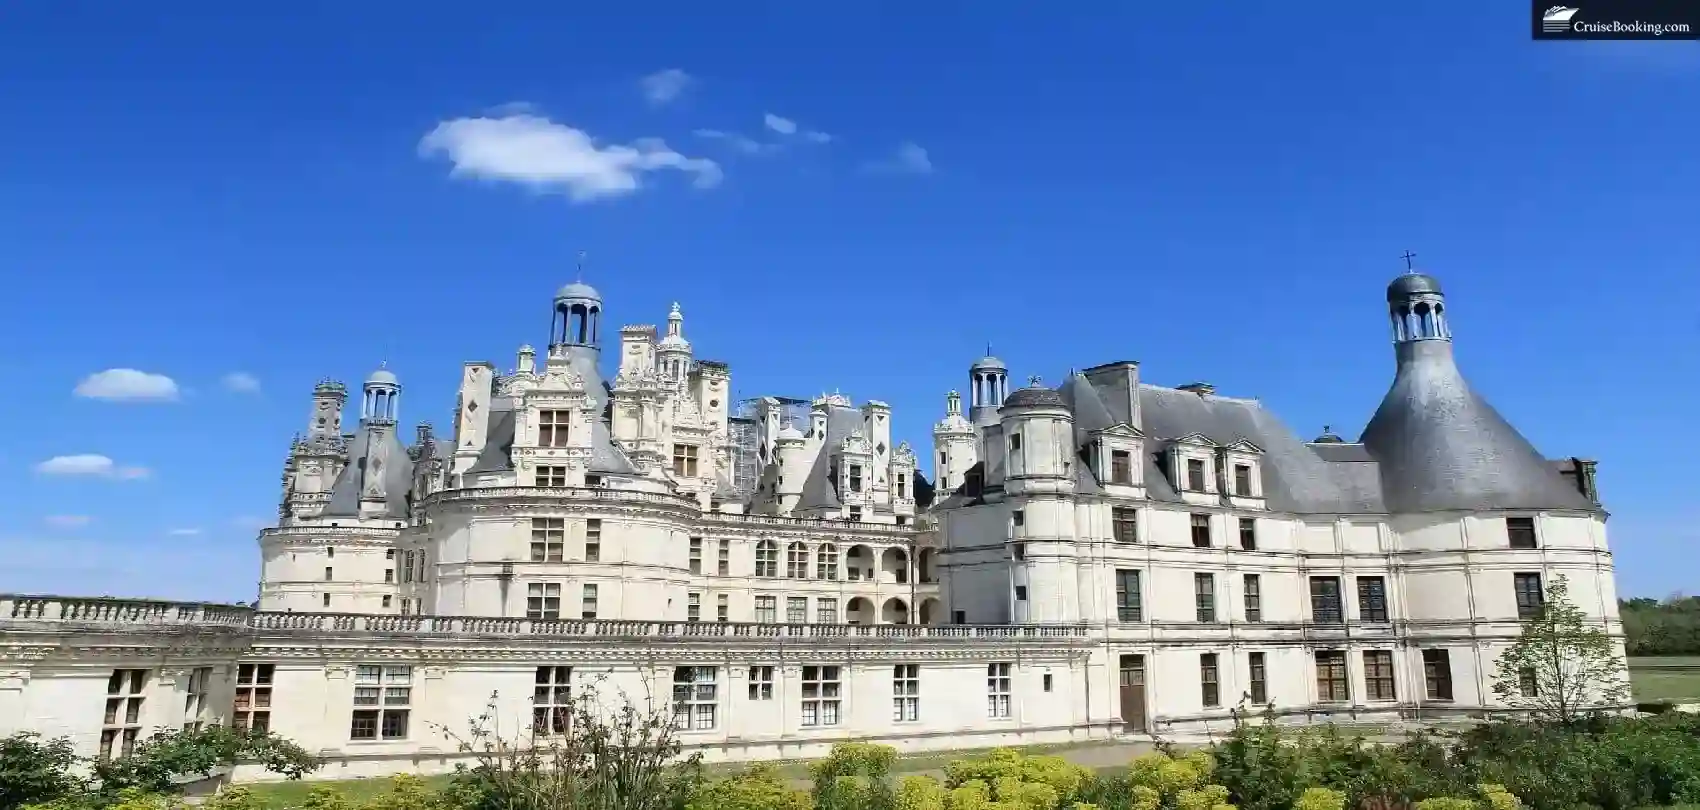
(1102, 558)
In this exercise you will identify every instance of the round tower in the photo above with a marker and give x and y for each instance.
(578, 316)
(954, 446)
(1038, 451)
(791, 453)
(988, 386)
(1417, 308)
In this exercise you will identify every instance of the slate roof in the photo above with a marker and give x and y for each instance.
(373, 451)
(819, 490)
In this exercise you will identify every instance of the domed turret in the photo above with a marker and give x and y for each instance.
(380, 397)
(1438, 445)
(988, 386)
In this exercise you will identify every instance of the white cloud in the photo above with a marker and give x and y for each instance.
(783, 126)
(184, 532)
(665, 86)
(546, 156)
(90, 464)
(241, 382)
(817, 137)
(909, 159)
(742, 143)
(68, 521)
(127, 385)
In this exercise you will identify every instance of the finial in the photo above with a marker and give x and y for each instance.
(1410, 267)
(1034, 381)
(383, 364)
(988, 348)
(1327, 428)
(675, 310)
(582, 256)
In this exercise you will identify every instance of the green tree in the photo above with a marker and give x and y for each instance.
(1563, 666)
(33, 771)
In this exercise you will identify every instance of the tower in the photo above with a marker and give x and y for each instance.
(988, 382)
(673, 352)
(379, 398)
(328, 399)
(955, 448)
(1038, 437)
(578, 317)
(1417, 309)
(379, 403)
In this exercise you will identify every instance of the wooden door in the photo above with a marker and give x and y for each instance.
(1132, 681)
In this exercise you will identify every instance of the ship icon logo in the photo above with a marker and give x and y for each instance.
(1556, 20)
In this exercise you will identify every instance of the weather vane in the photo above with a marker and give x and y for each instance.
(582, 256)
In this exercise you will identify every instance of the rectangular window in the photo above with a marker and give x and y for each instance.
(1248, 534)
(855, 478)
(1121, 467)
(1208, 680)
(386, 600)
(548, 539)
(1331, 683)
(1528, 684)
(1437, 674)
(382, 697)
(330, 551)
(685, 460)
(696, 693)
(1378, 674)
(543, 600)
(552, 428)
(551, 476)
(767, 559)
(822, 692)
(1018, 550)
(797, 561)
(1204, 596)
(998, 690)
(328, 574)
(1257, 675)
(1253, 598)
(592, 540)
(696, 555)
(1195, 474)
(722, 608)
(326, 599)
(723, 558)
(693, 607)
(905, 693)
(552, 701)
(761, 683)
(1372, 600)
(252, 710)
(589, 601)
(123, 719)
(1129, 601)
(389, 576)
(797, 610)
(1325, 600)
(826, 610)
(1017, 518)
(1521, 532)
(767, 609)
(195, 698)
(855, 513)
(407, 567)
(1530, 597)
(1242, 480)
(902, 490)
(1021, 593)
(1201, 531)
(1124, 524)
(1047, 682)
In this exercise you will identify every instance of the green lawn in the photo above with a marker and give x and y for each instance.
(1658, 679)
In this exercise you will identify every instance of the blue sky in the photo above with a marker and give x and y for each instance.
(1219, 191)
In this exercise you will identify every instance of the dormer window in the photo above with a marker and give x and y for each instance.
(902, 485)
(1195, 474)
(1121, 467)
(855, 478)
(1242, 480)
(552, 428)
(685, 460)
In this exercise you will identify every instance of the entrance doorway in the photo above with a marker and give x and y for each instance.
(1132, 682)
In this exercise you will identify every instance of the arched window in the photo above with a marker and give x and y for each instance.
(826, 562)
(797, 561)
(767, 559)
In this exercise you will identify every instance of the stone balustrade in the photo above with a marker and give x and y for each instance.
(615, 496)
(102, 610)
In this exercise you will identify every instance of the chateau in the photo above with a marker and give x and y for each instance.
(1100, 558)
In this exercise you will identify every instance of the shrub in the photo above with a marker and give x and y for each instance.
(758, 788)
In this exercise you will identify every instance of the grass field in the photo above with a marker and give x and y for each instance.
(1665, 678)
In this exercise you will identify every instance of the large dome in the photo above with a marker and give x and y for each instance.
(1411, 284)
(578, 289)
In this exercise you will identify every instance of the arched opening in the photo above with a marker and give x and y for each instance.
(925, 565)
(859, 564)
(1425, 320)
(767, 559)
(896, 611)
(894, 566)
(859, 611)
(826, 562)
(797, 561)
(930, 612)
